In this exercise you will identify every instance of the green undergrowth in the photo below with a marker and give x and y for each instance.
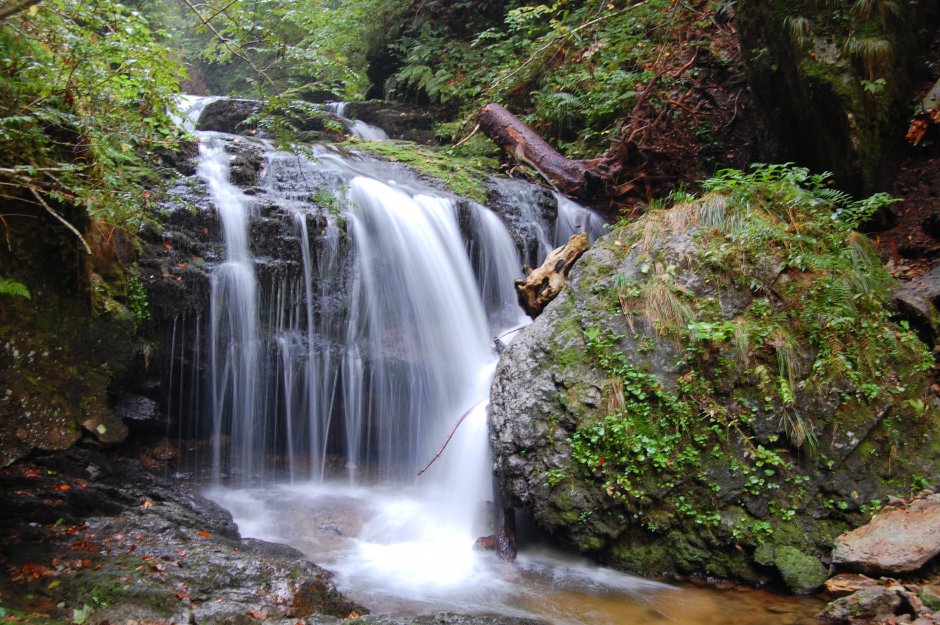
(572, 70)
(780, 314)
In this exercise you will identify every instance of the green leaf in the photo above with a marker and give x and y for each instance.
(13, 288)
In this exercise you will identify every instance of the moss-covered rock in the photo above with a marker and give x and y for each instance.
(717, 377)
(801, 573)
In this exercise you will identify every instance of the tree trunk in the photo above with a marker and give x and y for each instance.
(584, 180)
(542, 285)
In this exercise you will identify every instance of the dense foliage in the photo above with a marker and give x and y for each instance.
(307, 49)
(576, 69)
(84, 107)
(816, 330)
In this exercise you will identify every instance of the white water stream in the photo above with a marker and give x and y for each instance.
(356, 127)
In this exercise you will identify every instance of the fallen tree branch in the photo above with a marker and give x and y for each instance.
(450, 436)
(468, 137)
(60, 218)
(16, 7)
(228, 43)
(542, 285)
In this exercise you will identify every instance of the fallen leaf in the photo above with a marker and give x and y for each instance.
(63, 487)
(257, 614)
(203, 534)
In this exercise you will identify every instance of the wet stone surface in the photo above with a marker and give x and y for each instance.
(92, 538)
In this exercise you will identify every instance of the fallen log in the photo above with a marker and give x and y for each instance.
(585, 179)
(542, 285)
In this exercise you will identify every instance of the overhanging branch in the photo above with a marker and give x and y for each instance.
(9, 10)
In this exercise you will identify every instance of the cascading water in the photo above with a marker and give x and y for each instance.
(573, 219)
(357, 128)
(233, 328)
(378, 378)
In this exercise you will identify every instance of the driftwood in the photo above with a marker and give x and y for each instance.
(542, 285)
(583, 179)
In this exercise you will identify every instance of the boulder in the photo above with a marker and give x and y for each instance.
(918, 301)
(228, 115)
(399, 121)
(801, 573)
(639, 418)
(895, 541)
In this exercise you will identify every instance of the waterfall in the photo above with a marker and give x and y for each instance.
(356, 342)
(417, 311)
(574, 218)
(233, 329)
(357, 128)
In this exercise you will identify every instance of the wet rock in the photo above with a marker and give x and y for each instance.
(146, 549)
(896, 540)
(139, 412)
(228, 115)
(245, 166)
(399, 121)
(182, 159)
(930, 596)
(847, 583)
(801, 573)
(869, 605)
(528, 210)
(918, 302)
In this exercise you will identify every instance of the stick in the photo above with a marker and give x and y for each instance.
(228, 43)
(62, 219)
(467, 138)
(450, 436)
(16, 7)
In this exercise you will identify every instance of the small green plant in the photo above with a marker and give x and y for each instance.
(137, 300)
(12, 288)
(331, 202)
(874, 87)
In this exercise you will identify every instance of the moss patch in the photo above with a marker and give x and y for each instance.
(464, 177)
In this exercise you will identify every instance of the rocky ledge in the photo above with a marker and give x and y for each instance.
(90, 538)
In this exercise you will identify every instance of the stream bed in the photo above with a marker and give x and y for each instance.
(393, 552)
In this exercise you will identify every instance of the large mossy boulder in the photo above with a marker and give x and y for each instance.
(834, 83)
(716, 378)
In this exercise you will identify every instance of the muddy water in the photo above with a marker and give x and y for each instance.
(393, 553)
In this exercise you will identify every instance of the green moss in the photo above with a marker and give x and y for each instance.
(788, 347)
(463, 177)
(801, 573)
